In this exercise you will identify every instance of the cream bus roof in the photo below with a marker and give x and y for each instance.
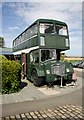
(25, 50)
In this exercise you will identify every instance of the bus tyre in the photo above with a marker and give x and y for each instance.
(37, 81)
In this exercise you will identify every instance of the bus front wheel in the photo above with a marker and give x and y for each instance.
(37, 81)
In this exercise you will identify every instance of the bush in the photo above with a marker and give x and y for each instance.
(11, 76)
(2, 57)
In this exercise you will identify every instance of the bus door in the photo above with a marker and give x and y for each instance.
(24, 66)
(58, 54)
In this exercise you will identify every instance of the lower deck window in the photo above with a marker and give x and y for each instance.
(48, 54)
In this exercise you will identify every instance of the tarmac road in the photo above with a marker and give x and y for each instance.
(73, 98)
(79, 72)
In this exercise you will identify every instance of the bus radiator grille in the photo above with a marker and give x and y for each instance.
(58, 69)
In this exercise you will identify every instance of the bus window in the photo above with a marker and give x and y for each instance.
(31, 57)
(48, 54)
(33, 30)
(34, 57)
(46, 28)
(14, 43)
(61, 30)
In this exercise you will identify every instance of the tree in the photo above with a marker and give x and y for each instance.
(2, 43)
(62, 56)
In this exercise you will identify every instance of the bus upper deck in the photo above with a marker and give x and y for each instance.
(44, 33)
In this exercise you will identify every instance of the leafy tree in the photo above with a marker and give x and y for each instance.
(2, 42)
(62, 56)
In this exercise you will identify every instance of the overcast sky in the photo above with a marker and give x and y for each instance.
(17, 16)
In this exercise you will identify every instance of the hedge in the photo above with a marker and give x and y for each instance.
(2, 57)
(11, 76)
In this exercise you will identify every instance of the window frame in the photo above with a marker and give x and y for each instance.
(54, 28)
(34, 58)
(26, 35)
(56, 25)
(48, 59)
(45, 25)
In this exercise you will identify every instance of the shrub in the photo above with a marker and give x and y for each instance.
(2, 57)
(11, 76)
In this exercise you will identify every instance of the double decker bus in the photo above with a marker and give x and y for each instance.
(38, 50)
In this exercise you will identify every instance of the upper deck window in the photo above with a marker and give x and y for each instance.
(61, 30)
(33, 30)
(30, 32)
(50, 28)
(46, 28)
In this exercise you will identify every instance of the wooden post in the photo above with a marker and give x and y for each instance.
(23, 61)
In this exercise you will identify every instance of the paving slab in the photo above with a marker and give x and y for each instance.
(67, 112)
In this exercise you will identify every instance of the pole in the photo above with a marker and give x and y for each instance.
(61, 82)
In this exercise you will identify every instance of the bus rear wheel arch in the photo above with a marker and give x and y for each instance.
(37, 81)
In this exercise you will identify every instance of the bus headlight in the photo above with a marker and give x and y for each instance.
(47, 71)
(42, 41)
(67, 70)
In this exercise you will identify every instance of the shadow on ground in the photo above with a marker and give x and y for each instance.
(23, 84)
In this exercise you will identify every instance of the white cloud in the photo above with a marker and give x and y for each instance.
(68, 12)
(13, 28)
(32, 11)
(8, 37)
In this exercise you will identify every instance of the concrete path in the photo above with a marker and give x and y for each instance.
(30, 92)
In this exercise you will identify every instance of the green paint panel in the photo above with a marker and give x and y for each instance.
(55, 41)
(27, 44)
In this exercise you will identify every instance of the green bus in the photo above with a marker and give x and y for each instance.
(38, 50)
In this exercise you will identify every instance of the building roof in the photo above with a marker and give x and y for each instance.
(6, 51)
